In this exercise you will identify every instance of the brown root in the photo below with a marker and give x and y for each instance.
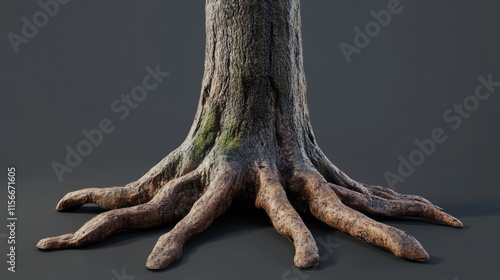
(106, 198)
(215, 201)
(200, 196)
(163, 208)
(271, 196)
(325, 205)
(395, 207)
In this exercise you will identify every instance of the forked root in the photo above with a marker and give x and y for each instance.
(162, 209)
(215, 201)
(325, 205)
(272, 198)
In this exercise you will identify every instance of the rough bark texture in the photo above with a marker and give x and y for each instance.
(251, 141)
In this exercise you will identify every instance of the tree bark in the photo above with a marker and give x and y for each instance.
(253, 91)
(252, 141)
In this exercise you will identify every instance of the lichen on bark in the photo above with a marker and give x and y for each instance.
(207, 134)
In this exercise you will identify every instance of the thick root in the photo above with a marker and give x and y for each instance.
(161, 209)
(104, 225)
(271, 196)
(132, 194)
(106, 198)
(197, 199)
(215, 201)
(327, 207)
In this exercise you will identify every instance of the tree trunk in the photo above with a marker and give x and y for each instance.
(251, 140)
(253, 104)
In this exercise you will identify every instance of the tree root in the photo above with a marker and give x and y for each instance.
(271, 196)
(326, 206)
(215, 201)
(201, 195)
(170, 203)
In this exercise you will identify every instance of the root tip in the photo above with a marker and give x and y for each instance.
(65, 205)
(154, 266)
(308, 262)
(457, 223)
(59, 207)
(40, 245)
(160, 259)
(413, 250)
(418, 255)
(43, 245)
(422, 256)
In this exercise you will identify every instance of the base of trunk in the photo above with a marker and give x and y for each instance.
(195, 196)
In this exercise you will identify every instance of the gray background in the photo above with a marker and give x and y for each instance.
(365, 114)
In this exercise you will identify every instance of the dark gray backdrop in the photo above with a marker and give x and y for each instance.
(365, 113)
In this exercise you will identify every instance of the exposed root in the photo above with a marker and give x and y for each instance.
(165, 207)
(272, 197)
(390, 194)
(336, 176)
(200, 196)
(134, 193)
(327, 207)
(331, 172)
(106, 198)
(103, 226)
(372, 204)
(215, 201)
